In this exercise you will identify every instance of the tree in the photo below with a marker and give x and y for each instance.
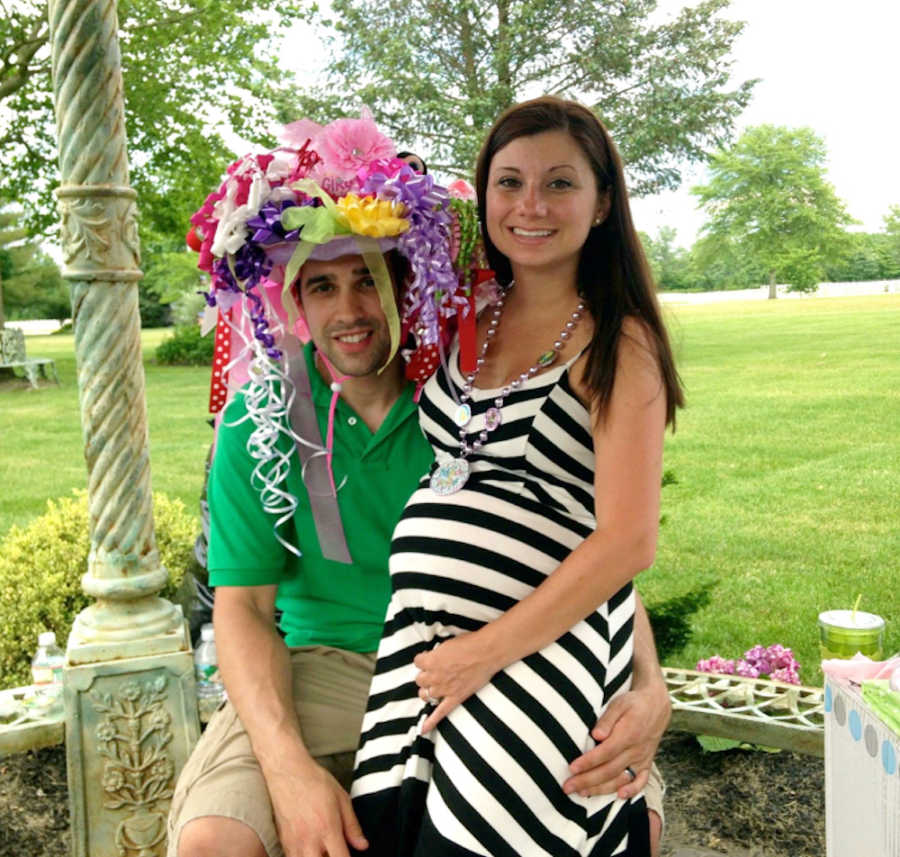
(892, 229)
(31, 285)
(718, 264)
(671, 265)
(189, 68)
(870, 256)
(768, 197)
(438, 72)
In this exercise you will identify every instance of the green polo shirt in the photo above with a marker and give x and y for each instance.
(323, 602)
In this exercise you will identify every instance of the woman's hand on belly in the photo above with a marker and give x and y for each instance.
(454, 670)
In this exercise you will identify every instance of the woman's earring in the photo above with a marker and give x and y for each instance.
(597, 220)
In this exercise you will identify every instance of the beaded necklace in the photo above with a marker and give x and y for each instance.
(450, 476)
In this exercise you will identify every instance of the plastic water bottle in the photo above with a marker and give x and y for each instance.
(47, 672)
(210, 690)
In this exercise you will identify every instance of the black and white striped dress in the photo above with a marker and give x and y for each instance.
(488, 780)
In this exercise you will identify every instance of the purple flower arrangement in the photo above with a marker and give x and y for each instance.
(775, 662)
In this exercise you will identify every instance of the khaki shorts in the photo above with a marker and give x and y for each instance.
(222, 776)
(331, 688)
(654, 791)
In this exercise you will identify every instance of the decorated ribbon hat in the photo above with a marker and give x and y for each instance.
(325, 192)
(331, 191)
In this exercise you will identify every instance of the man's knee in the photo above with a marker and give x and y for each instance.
(218, 836)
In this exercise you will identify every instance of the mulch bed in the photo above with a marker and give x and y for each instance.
(737, 802)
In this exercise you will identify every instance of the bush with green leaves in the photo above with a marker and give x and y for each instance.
(41, 566)
(186, 347)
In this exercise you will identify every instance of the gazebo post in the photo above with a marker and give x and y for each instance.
(131, 712)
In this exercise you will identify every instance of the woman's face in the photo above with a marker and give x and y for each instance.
(541, 202)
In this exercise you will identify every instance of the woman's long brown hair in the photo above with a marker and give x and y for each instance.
(613, 275)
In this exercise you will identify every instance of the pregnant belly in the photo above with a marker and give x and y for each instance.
(472, 554)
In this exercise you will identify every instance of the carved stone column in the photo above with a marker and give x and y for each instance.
(130, 708)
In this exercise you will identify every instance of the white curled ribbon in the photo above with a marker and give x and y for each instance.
(268, 397)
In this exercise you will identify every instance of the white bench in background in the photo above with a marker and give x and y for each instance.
(12, 356)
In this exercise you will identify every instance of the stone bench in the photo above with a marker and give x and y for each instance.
(751, 710)
(26, 726)
(12, 356)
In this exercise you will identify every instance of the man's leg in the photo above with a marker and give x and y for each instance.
(653, 794)
(218, 836)
(221, 805)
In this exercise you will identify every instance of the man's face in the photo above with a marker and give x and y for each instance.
(344, 314)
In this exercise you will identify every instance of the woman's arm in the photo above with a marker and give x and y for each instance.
(628, 470)
(631, 727)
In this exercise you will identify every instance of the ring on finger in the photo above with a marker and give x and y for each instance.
(630, 771)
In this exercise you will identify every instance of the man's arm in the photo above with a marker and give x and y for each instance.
(312, 812)
(630, 729)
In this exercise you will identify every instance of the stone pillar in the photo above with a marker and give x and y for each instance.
(131, 714)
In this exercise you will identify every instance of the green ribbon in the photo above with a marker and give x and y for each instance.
(321, 224)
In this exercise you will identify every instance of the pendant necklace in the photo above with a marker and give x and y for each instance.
(450, 476)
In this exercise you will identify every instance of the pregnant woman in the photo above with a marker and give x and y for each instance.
(510, 626)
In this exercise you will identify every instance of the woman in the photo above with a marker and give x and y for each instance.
(510, 624)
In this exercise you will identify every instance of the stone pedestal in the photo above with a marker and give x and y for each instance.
(130, 726)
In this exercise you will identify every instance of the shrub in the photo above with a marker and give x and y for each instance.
(671, 619)
(153, 312)
(41, 567)
(186, 347)
(187, 307)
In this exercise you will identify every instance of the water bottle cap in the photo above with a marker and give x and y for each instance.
(47, 638)
(207, 632)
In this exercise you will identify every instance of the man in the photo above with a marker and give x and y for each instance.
(301, 713)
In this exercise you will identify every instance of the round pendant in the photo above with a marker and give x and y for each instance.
(547, 358)
(462, 415)
(492, 418)
(450, 476)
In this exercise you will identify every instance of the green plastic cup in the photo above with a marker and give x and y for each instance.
(843, 633)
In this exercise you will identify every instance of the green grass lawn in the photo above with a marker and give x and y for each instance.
(41, 450)
(788, 466)
(787, 459)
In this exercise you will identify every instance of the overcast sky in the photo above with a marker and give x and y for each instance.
(834, 67)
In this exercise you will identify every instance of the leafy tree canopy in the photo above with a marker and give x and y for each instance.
(768, 198)
(870, 256)
(188, 67)
(438, 72)
(892, 229)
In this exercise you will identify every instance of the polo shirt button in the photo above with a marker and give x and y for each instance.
(351, 421)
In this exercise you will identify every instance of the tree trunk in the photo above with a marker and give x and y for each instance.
(502, 54)
(773, 292)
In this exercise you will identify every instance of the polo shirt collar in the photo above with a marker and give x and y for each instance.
(400, 411)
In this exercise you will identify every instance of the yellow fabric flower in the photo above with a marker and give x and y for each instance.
(377, 218)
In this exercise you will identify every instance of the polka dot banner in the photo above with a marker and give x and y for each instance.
(862, 786)
(218, 387)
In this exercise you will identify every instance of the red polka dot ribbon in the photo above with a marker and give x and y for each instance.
(218, 387)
